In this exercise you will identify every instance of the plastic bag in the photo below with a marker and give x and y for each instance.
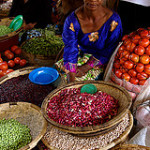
(141, 138)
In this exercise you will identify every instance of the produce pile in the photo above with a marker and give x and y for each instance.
(132, 61)
(72, 108)
(22, 89)
(13, 135)
(47, 44)
(4, 30)
(10, 60)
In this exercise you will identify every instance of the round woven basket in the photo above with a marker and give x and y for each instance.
(114, 90)
(27, 114)
(130, 147)
(122, 137)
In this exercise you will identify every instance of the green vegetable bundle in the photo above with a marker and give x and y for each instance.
(4, 30)
(47, 45)
(13, 135)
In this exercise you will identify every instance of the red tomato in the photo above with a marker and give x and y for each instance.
(144, 42)
(11, 63)
(121, 48)
(135, 39)
(128, 64)
(139, 67)
(18, 51)
(144, 59)
(134, 81)
(139, 50)
(147, 50)
(118, 73)
(116, 64)
(132, 72)
(7, 52)
(1, 60)
(10, 55)
(126, 41)
(130, 46)
(132, 34)
(9, 70)
(23, 62)
(147, 69)
(142, 76)
(142, 82)
(2, 73)
(124, 37)
(134, 57)
(125, 54)
(122, 60)
(17, 60)
(126, 76)
(144, 33)
(123, 70)
(13, 48)
(4, 66)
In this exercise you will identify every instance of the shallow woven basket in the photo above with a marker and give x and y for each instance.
(114, 90)
(120, 139)
(27, 114)
(130, 147)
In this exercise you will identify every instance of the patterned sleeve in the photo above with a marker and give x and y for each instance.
(71, 43)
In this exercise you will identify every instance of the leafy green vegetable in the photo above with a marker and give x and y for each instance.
(4, 30)
(13, 135)
(48, 44)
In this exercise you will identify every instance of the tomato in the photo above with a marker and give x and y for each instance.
(23, 62)
(118, 73)
(9, 70)
(134, 81)
(2, 73)
(147, 50)
(123, 70)
(121, 48)
(132, 34)
(142, 82)
(122, 60)
(126, 76)
(126, 41)
(1, 60)
(18, 51)
(132, 72)
(11, 63)
(7, 52)
(13, 48)
(144, 33)
(139, 67)
(116, 64)
(128, 64)
(139, 50)
(125, 54)
(134, 57)
(4, 66)
(10, 55)
(142, 76)
(140, 29)
(144, 42)
(144, 59)
(135, 39)
(17, 60)
(147, 69)
(130, 46)
(124, 37)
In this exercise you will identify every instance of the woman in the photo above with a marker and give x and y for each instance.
(36, 13)
(134, 14)
(93, 29)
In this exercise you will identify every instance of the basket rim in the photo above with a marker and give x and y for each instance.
(34, 142)
(89, 129)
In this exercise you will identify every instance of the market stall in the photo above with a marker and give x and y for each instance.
(86, 114)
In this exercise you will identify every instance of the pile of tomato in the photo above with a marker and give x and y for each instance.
(132, 61)
(11, 58)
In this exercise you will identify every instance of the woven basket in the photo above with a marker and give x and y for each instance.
(114, 90)
(118, 140)
(27, 114)
(130, 147)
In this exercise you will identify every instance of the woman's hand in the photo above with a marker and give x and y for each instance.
(82, 70)
(29, 26)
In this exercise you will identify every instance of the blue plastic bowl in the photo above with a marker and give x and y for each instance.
(43, 75)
